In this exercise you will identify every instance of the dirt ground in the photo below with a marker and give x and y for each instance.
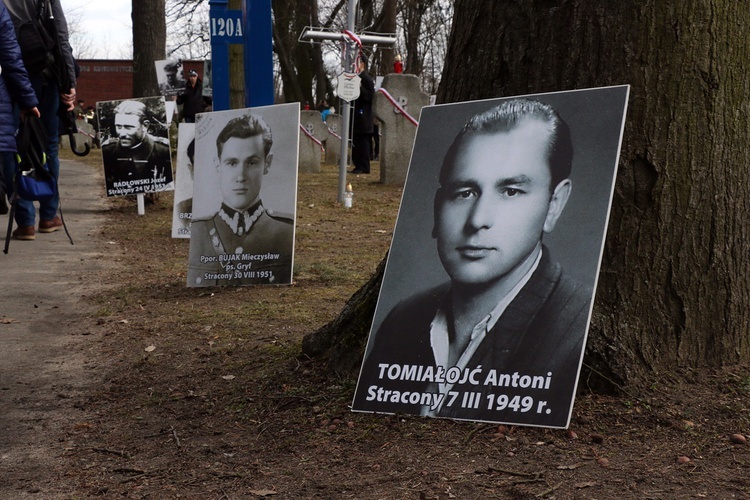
(127, 384)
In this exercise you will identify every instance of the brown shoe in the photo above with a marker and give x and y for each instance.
(50, 226)
(25, 233)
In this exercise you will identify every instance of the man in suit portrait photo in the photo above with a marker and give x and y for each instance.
(502, 339)
(243, 243)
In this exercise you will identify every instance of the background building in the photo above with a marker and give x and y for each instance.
(112, 79)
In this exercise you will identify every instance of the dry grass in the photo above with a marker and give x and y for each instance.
(221, 405)
(336, 250)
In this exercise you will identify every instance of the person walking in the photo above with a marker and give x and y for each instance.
(54, 85)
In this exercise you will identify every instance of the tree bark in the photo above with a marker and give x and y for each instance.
(414, 12)
(236, 68)
(149, 44)
(674, 290)
(674, 287)
(301, 64)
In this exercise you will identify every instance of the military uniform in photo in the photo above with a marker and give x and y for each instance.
(148, 160)
(241, 248)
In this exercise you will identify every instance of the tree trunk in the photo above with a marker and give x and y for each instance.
(385, 59)
(674, 290)
(414, 11)
(236, 68)
(342, 341)
(149, 44)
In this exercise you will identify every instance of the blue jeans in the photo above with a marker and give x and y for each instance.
(49, 99)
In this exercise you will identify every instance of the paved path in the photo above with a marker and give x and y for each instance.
(43, 361)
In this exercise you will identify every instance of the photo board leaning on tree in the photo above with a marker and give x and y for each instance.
(244, 196)
(487, 293)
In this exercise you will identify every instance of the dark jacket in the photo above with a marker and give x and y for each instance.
(24, 10)
(14, 82)
(541, 332)
(192, 100)
(363, 120)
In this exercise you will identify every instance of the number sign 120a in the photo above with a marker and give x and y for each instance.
(228, 29)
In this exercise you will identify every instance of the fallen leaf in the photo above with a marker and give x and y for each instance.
(570, 467)
(586, 484)
(150, 348)
(263, 493)
(738, 439)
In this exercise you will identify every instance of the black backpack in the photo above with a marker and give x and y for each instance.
(37, 39)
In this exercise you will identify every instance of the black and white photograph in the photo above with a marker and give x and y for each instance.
(244, 196)
(170, 76)
(487, 294)
(135, 146)
(183, 184)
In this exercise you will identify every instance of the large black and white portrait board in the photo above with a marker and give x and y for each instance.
(487, 295)
(182, 211)
(135, 146)
(244, 196)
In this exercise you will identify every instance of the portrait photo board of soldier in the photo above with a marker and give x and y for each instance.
(182, 212)
(135, 146)
(487, 294)
(244, 196)
(170, 77)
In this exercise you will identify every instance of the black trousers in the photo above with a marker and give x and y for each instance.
(361, 151)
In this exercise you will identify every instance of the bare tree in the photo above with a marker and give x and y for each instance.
(149, 41)
(188, 29)
(302, 68)
(80, 42)
(424, 27)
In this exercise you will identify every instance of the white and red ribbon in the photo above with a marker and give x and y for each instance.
(337, 136)
(80, 131)
(354, 37)
(399, 107)
(312, 137)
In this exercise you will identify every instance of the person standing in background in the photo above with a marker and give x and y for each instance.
(53, 89)
(192, 99)
(363, 120)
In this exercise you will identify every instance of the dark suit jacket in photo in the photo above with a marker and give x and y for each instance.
(542, 331)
